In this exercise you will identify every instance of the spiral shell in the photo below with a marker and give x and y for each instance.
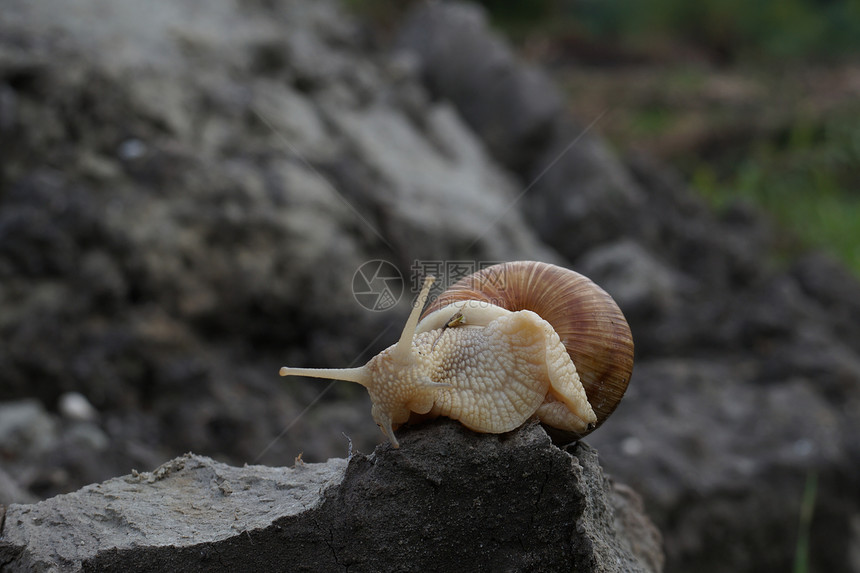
(586, 318)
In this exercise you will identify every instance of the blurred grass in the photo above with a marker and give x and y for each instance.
(807, 508)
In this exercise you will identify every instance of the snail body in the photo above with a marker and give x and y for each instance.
(511, 342)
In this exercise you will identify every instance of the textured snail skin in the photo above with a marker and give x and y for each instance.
(499, 373)
(492, 355)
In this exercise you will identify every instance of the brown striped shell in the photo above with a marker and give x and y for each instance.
(586, 318)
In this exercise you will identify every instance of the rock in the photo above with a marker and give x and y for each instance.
(185, 186)
(12, 492)
(25, 429)
(511, 106)
(448, 499)
(832, 291)
(575, 191)
(42, 451)
(722, 251)
(743, 448)
(75, 406)
(639, 282)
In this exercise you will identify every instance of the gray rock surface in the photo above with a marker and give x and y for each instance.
(448, 499)
(12, 492)
(512, 107)
(186, 172)
(575, 191)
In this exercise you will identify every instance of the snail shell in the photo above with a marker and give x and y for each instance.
(586, 319)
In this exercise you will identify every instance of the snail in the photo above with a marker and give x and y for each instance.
(510, 342)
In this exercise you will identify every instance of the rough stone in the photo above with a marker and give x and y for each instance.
(25, 429)
(181, 179)
(11, 492)
(448, 499)
(639, 282)
(576, 192)
(512, 107)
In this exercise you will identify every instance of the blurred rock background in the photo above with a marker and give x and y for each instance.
(187, 190)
